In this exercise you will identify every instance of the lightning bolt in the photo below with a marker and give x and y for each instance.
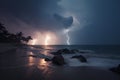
(66, 31)
(68, 38)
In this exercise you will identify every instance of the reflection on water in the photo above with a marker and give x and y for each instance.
(47, 50)
(43, 64)
(40, 63)
(47, 47)
(30, 59)
(33, 60)
(45, 67)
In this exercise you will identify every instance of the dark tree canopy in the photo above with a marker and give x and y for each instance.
(7, 37)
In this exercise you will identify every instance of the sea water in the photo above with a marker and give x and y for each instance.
(105, 56)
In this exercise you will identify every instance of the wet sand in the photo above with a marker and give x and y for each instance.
(5, 47)
(58, 73)
(14, 65)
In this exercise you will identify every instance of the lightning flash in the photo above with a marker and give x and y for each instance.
(66, 31)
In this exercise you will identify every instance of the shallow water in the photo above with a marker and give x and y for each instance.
(27, 63)
(98, 56)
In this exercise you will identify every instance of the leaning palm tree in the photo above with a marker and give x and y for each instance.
(26, 39)
(3, 33)
(5, 36)
(19, 37)
(2, 28)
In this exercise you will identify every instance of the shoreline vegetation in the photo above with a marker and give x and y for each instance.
(13, 38)
(10, 41)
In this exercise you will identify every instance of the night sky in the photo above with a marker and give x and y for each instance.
(85, 21)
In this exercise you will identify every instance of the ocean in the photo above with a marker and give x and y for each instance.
(28, 63)
(104, 56)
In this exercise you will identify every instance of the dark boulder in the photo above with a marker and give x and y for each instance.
(58, 60)
(82, 52)
(80, 57)
(56, 53)
(61, 51)
(64, 51)
(74, 51)
(116, 69)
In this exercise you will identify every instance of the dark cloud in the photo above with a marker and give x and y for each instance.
(38, 13)
(99, 19)
(104, 23)
(65, 21)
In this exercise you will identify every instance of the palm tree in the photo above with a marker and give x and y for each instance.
(5, 36)
(3, 33)
(19, 37)
(26, 39)
(12, 38)
(2, 28)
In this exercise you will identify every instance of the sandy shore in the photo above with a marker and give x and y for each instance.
(16, 66)
(58, 73)
(6, 46)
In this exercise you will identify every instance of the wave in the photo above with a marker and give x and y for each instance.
(93, 58)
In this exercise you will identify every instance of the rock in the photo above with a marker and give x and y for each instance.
(116, 69)
(82, 52)
(58, 60)
(74, 51)
(47, 59)
(56, 53)
(80, 57)
(64, 51)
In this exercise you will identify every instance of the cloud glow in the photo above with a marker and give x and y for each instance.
(44, 38)
(47, 39)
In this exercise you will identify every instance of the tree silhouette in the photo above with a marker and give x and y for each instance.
(3, 33)
(7, 37)
(19, 37)
(26, 39)
(2, 28)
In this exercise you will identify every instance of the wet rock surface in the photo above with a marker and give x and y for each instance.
(80, 57)
(58, 60)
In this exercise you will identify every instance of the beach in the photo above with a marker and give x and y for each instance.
(17, 65)
(59, 73)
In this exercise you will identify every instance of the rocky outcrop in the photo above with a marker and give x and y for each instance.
(65, 51)
(58, 60)
(74, 51)
(71, 51)
(116, 69)
(80, 57)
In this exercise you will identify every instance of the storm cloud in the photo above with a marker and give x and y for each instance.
(37, 13)
(99, 19)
